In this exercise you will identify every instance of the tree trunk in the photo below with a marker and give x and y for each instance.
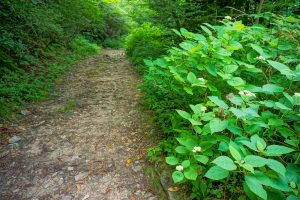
(259, 9)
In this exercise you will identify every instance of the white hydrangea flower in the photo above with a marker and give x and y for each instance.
(196, 149)
(179, 168)
(297, 94)
(228, 17)
(247, 93)
(203, 108)
(201, 79)
(260, 58)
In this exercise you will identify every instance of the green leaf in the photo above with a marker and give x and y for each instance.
(190, 174)
(191, 77)
(177, 176)
(187, 142)
(236, 100)
(285, 70)
(228, 69)
(184, 114)
(248, 167)
(233, 128)
(238, 112)
(218, 102)
(225, 163)
(277, 150)
(272, 88)
(255, 161)
(216, 125)
(255, 186)
(282, 106)
(234, 151)
(181, 149)
(216, 173)
(171, 160)
(206, 30)
(276, 166)
(186, 163)
(201, 158)
(188, 90)
(236, 81)
(177, 32)
(258, 49)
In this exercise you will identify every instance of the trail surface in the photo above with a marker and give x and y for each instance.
(89, 142)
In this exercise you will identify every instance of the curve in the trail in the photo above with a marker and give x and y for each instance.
(89, 142)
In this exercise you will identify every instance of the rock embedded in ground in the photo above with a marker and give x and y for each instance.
(81, 176)
(14, 139)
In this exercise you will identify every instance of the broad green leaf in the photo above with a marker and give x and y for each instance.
(171, 160)
(234, 151)
(206, 30)
(233, 128)
(194, 122)
(181, 149)
(188, 90)
(177, 176)
(236, 82)
(272, 88)
(191, 77)
(237, 112)
(255, 186)
(216, 173)
(285, 70)
(257, 48)
(216, 125)
(149, 63)
(277, 150)
(187, 142)
(282, 106)
(190, 174)
(228, 69)
(218, 102)
(248, 167)
(184, 114)
(201, 158)
(278, 184)
(177, 32)
(186, 163)
(276, 166)
(225, 163)
(236, 100)
(255, 161)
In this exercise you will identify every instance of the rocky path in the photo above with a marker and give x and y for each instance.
(88, 142)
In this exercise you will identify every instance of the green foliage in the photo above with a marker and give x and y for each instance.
(146, 41)
(236, 92)
(40, 39)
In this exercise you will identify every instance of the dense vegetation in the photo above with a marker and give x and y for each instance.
(221, 76)
(225, 90)
(40, 39)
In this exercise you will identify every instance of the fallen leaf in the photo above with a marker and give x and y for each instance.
(107, 190)
(174, 189)
(69, 190)
(78, 186)
(129, 160)
(99, 166)
(22, 128)
(86, 197)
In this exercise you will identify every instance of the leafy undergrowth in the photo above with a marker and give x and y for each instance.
(18, 86)
(228, 101)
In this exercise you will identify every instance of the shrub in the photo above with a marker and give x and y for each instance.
(146, 41)
(83, 47)
(236, 90)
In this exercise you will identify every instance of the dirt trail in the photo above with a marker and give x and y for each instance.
(89, 142)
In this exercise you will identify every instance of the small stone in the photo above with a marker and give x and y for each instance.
(14, 139)
(137, 168)
(25, 112)
(66, 197)
(152, 198)
(70, 168)
(81, 176)
(61, 181)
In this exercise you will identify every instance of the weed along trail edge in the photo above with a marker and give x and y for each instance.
(89, 142)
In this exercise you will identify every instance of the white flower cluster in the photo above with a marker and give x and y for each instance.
(297, 94)
(260, 58)
(247, 93)
(196, 149)
(201, 79)
(228, 17)
(179, 168)
(203, 108)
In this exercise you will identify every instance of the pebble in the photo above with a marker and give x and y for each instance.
(81, 176)
(70, 168)
(66, 197)
(137, 168)
(14, 139)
